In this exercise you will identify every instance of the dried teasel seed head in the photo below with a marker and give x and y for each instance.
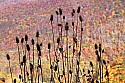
(61, 50)
(24, 59)
(17, 40)
(83, 70)
(51, 18)
(26, 38)
(38, 47)
(22, 40)
(58, 40)
(32, 41)
(75, 39)
(88, 71)
(96, 52)
(20, 77)
(78, 10)
(103, 51)
(72, 23)
(15, 80)
(96, 46)
(91, 64)
(63, 17)
(41, 44)
(57, 13)
(8, 57)
(27, 73)
(60, 11)
(66, 26)
(107, 73)
(92, 81)
(51, 67)
(77, 62)
(28, 47)
(70, 71)
(73, 10)
(104, 62)
(80, 18)
(55, 69)
(49, 46)
(37, 34)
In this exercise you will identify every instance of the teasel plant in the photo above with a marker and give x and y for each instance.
(78, 11)
(68, 58)
(22, 41)
(17, 41)
(33, 42)
(24, 73)
(8, 58)
(51, 66)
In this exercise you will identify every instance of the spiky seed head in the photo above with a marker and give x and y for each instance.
(107, 73)
(51, 18)
(98, 58)
(38, 47)
(104, 62)
(15, 80)
(66, 26)
(61, 50)
(41, 44)
(88, 71)
(75, 39)
(8, 57)
(24, 59)
(20, 77)
(77, 62)
(37, 34)
(28, 47)
(49, 46)
(63, 17)
(21, 63)
(22, 40)
(27, 73)
(55, 69)
(59, 24)
(57, 13)
(17, 40)
(72, 23)
(60, 11)
(58, 40)
(78, 10)
(73, 10)
(72, 14)
(80, 18)
(91, 64)
(96, 52)
(103, 51)
(32, 41)
(26, 37)
(96, 46)
(83, 70)
(81, 29)
(51, 66)
(70, 71)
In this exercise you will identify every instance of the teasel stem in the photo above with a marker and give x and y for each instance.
(50, 63)
(24, 62)
(32, 41)
(10, 71)
(100, 49)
